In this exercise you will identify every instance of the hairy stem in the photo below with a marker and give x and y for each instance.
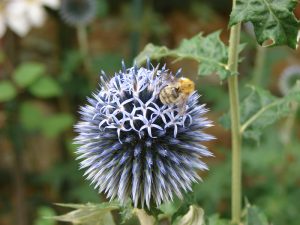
(236, 191)
(143, 217)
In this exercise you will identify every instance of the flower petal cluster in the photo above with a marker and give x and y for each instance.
(134, 147)
(21, 15)
(78, 12)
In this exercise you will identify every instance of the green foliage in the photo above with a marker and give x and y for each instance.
(71, 61)
(33, 119)
(215, 95)
(67, 172)
(273, 56)
(107, 62)
(126, 212)
(45, 87)
(2, 56)
(27, 73)
(254, 216)
(102, 8)
(176, 209)
(272, 20)
(209, 51)
(215, 187)
(7, 91)
(169, 208)
(56, 124)
(31, 116)
(216, 220)
(89, 214)
(261, 109)
(265, 166)
(44, 214)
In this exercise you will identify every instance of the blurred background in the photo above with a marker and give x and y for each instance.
(51, 53)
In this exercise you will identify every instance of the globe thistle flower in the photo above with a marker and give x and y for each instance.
(78, 12)
(288, 78)
(134, 147)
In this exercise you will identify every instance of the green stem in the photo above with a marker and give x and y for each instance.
(84, 50)
(259, 65)
(236, 191)
(137, 16)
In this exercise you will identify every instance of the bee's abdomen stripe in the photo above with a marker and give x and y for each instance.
(162, 97)
(167, 98)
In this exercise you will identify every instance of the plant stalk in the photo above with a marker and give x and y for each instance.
(84, 50)
(137, 16)
(236, 190)
(259, 65)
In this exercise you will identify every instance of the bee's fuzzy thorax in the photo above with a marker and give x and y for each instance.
(187, 86)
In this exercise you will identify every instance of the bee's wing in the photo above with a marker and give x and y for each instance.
(168, 78)
(181, 104)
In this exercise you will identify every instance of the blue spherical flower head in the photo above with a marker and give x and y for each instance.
(134, 147)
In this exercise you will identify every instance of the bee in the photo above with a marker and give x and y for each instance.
(177, 93)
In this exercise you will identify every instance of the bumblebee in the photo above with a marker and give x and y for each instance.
(177, 93)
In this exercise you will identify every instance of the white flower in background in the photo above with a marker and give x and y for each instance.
(14, 18)
(54, 4)
(21, 15)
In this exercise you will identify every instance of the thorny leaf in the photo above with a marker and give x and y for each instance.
(261, 109)
(209, 51)
(254, 216)
(273, 21)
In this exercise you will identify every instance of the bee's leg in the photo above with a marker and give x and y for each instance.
(175, 92)
(181, 104)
